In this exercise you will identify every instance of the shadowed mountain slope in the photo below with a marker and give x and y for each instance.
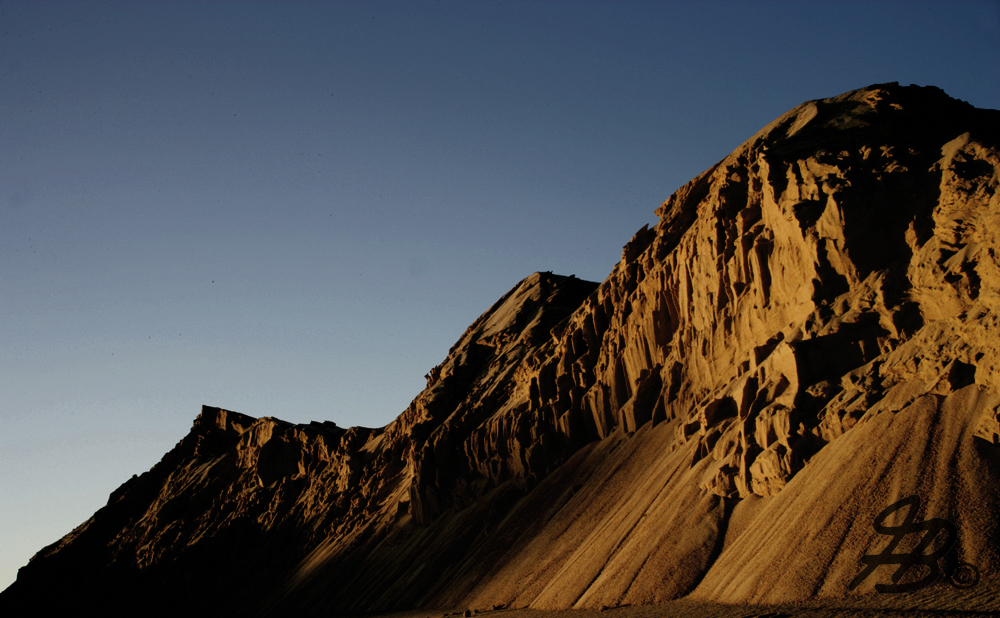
(809, 334)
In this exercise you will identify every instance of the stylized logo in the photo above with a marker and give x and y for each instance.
(964, 575)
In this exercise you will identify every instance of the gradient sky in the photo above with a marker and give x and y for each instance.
(294, 209)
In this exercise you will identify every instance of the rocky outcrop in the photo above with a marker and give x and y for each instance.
(255, 507)
(808, 334)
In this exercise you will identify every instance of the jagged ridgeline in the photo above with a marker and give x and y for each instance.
(809, 334)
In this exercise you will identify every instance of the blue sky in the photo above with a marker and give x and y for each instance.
(294, 209)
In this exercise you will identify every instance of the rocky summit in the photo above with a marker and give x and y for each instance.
(809, 334)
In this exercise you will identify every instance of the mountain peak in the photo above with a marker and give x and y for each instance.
(806, 337)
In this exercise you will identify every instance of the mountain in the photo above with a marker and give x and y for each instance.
(807, 336)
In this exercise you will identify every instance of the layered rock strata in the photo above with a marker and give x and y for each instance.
(809, 334)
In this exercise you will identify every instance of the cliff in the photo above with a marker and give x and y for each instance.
(808, 335)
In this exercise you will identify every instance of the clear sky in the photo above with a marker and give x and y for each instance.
(294, 209)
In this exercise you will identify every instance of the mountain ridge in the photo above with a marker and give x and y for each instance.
(810, 320)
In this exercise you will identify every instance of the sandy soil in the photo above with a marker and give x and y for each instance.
(939, 601)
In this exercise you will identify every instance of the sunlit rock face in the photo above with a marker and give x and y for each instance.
(807, 335)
